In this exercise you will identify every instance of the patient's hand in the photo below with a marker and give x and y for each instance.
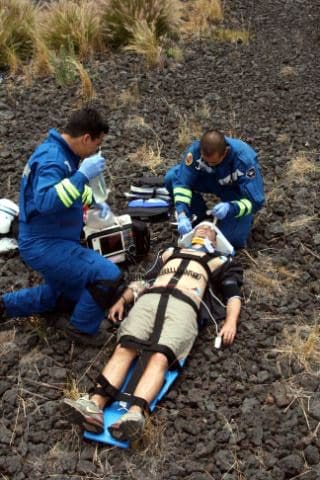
(228, 332)
(116, 311)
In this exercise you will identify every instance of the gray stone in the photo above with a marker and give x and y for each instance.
(58, 373)
(281, 395)
(5, 435)
(314, 409)
(292, 464)
(224, 460)
(312, 454)
(85, 467)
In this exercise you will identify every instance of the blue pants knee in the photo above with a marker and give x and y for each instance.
(69, 270)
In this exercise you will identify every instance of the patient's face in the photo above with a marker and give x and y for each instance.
(204, 231)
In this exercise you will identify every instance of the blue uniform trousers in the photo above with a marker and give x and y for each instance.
(68, 270)
(236, 230)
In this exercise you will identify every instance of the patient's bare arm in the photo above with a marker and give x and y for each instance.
(116, 311)
(229, 329)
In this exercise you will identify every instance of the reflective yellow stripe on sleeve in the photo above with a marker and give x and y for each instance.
(183, 191)
(183, 195)
(70, 188)
(248, 205)
(87, 197)
(245, 207)
(62, 194)
(179, 198)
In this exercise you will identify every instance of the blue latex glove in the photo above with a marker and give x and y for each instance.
(221, 210)
(103, 207)
(184, 224)
(92, 166)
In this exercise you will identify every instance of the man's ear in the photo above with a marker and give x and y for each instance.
(86, 138)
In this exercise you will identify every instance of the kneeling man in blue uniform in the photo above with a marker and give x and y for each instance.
(54, 189)
(226, 167)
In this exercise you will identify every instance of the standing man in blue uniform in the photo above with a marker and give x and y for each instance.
(54, 189)
(226, 167)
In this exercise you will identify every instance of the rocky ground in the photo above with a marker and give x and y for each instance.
(248, 412)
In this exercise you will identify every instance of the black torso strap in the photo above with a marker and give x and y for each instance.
(175, 293)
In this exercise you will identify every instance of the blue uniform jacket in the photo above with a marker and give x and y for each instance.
(237, 179)
(52, 193)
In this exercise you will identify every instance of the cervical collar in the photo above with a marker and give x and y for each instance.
(204, 242)
(222, 244)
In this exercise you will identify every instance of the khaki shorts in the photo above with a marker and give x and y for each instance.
(179, 329)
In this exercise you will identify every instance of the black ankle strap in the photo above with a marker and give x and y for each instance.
(105, 389)
(131, 400)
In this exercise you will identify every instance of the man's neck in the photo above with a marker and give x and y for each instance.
(72, 143)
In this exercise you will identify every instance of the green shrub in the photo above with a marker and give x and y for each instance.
(120, 17)
(72, 22)
(17, 32)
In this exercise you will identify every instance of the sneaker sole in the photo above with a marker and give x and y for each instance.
(72, 415)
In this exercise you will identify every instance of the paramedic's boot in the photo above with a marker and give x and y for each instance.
(83, 412)
(82, 338)
(96, 340)
(129, 427)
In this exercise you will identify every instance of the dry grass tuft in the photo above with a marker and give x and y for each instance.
(303, 344)
(71, 389)
(136, 121)
(199, 17)
(74, 24)
(288, 71)
(144, 41)
(7, 341)
(188, 131)
(267, 277)
(121, 18)
(175, 52)
(87, 92)
(230, 35)
(39, 327)
(17, 32)
(275, 195)
(130, 96)
(299, 223)
(152, 449)
(301, 168)
(148, 157)
(283, 138)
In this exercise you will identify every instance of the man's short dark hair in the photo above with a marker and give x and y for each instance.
(212, 141)
(86, 120)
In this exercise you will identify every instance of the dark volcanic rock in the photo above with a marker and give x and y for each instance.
(248, 411)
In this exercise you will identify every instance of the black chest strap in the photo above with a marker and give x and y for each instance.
(203, 260)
